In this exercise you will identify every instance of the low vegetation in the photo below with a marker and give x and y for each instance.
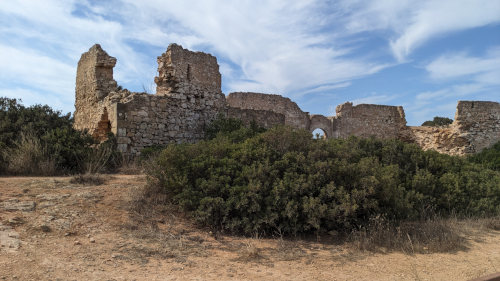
(489, 157)
(282, 181)
(37, 140)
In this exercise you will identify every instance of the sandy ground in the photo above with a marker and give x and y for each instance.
(51, 229)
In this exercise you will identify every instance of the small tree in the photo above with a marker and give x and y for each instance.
(438, 121)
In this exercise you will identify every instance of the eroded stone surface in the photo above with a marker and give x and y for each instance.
(9, 239)
(16, 205)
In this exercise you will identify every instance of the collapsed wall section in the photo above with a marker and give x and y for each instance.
(294, 116)
(476, 126)
(366, 120)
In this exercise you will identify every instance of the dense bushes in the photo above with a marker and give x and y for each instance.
(37, 140)
(489, 157)
(284, 181)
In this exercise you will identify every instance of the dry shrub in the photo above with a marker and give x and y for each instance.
(289, 250)
(492, 223)
(249, 252)
(129, 166)
(434, 235)
(97, 159)
(87, 179)
(29, 157)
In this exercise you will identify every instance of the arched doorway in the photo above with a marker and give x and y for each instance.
(321, 125)
(319, 133)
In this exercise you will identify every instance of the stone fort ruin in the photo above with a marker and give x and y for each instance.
(188, 97)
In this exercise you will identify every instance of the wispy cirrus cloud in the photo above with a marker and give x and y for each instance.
(414, 23)
(297, 49)
(480, 69)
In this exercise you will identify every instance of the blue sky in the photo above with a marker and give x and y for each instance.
(423, 55)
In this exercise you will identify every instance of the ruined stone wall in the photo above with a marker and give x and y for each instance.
(188, 98)
(476, 126)
(366, 120)
(294, 116)
(263, 118)
(94, 80)
(480, 122)
(181, 71)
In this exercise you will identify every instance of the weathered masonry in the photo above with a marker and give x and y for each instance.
(188, 97)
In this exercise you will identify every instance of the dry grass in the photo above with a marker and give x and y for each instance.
(427, 236)
(88, 179)
(29, 157)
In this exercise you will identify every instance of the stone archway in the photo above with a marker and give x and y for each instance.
(318, 133)
(323, 123)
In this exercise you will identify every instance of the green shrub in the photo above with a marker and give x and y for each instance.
(37, 140)
(489, 157)
(438, 121)
(283, 181)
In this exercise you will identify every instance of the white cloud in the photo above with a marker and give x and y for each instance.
(291, 48)
(434, 18)
(32, 97)
(413, 23)
(450, 93)
(374, 99)
(485, 69)
(275, 46)
(21, 66)
(443, 102)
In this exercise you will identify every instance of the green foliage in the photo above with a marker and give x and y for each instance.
(232, 128)
(284, 181)
(438, 121)
(39, 140)
(489, 157)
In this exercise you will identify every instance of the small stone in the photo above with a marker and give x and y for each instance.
(92, 240)
(77, 242)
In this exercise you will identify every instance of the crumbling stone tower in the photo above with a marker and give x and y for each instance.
(94, 81)
(188, 98)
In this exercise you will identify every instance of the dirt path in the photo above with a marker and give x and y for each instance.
(51, 229)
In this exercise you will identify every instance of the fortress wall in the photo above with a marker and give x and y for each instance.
(189, 98)
(366, 120)
(263, 118)
(294, 116)
(479, 122)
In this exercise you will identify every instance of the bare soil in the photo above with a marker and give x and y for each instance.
(51, 229)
